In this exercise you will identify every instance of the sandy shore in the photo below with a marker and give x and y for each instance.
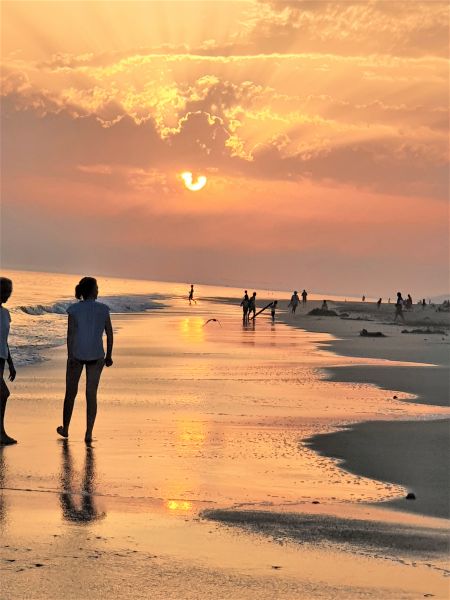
(197, 418)
(412, 454)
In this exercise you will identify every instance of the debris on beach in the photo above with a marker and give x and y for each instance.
(319, 312)
(346, 317)
(366, 333)
(427, 331)
(410, 496)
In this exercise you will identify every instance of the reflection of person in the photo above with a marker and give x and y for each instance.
(2, 486)
(295, 300)
(88, 320)
(399, 307)
(85, 511)
(6, 288)
(273, 309)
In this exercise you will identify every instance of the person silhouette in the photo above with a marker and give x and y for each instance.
(85, 511)
(245, 303)
(252, 306)
(273, 309)
(304, 296)
(6, 288)
(399, 308)
(191, 295)
(294, 302)
(379, 301)
(88, 320)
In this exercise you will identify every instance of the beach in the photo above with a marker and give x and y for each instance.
(229, 461)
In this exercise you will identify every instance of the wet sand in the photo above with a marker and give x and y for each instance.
(413, 454)
(194, 418)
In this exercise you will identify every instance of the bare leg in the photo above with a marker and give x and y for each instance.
(73, 374)
(93, 373)
(5, 439)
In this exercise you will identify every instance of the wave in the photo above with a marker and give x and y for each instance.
(117, 304)
(39, 327)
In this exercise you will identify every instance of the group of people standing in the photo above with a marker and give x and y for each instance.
(88, 319)
(248, 304)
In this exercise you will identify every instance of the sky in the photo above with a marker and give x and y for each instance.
(321, 127)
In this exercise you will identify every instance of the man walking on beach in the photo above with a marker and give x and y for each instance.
(295, 301)
(304, 296)
(191, 294)
(245, 306)
(399, 308)
(252, 306)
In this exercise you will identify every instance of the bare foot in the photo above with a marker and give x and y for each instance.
(62, 432)
(6, 440)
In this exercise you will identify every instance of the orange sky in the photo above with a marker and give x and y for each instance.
(322, 128)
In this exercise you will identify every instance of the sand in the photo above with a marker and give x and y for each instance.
(198, 418)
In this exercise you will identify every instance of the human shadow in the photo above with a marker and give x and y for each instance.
(3, 469)
(78, 506)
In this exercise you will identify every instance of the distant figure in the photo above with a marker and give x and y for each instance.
(379, 302)
(87, 321)
(324, 305)
(399, 308)
(423, 304)
(191, 295)
(409, 302)
(389, 300)
(245, 303)
(294, 302)
(304, 296)
(273, 309)
(252, 306)
(6, 288)
(363, 298)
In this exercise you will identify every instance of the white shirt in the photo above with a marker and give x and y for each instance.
(5, 320)
(90, 319)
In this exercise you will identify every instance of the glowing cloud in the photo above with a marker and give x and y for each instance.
(189, 182)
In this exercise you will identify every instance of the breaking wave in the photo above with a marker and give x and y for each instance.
(39, 327)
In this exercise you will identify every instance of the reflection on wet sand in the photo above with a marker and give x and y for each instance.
(3, 511)
(179, 505)
(83, 511)
(192, 329)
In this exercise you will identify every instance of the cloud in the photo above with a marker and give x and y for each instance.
(399, 28)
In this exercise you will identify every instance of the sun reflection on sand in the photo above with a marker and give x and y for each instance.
(192, 329)
(191, 431)
(179, 505)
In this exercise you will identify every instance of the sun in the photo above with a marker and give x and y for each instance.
(192, 185)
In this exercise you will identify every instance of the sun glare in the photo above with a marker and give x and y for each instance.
(192, 185)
